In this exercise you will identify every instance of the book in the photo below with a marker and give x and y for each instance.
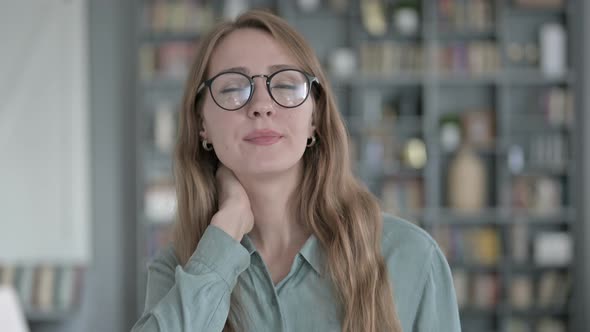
(44, 292)
(550, 325)
(521, 292)
(65, 288)
(25, 284)
(485, 291)
(461, 284)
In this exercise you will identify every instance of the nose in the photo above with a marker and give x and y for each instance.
(261, 103)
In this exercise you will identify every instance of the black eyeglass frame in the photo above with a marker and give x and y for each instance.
(310, 80)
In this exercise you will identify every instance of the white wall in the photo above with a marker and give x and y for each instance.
(44, 138)
(109, 289)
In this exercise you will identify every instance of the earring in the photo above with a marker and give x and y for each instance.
(206, 145)
(311, 141)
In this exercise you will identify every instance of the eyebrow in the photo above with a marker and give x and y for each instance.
(245, 70)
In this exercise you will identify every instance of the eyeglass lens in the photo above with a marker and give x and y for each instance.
(288, 88)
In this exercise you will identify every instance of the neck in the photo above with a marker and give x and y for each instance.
(275, 226)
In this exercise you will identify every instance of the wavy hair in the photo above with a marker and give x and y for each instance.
(331, 203)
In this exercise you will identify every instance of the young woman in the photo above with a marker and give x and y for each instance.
(274, 233)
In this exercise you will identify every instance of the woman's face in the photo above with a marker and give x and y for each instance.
(262, 137)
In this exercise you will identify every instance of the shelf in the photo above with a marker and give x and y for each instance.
(534, 77)
(564, 215)
(489, 217)
(538, 312)
(477, 267)
(35, 315)
(466, 35)
(514, 92)
(458, 78)
(520, 268)
(475, 311)
(537, 11)
(535, 171)
(371, 80)
(488, 152)
(498, 216)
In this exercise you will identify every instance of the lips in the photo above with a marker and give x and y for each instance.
(263, 137)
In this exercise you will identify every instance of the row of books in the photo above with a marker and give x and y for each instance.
(546, 151)
(403, 196)
(477, 290)
(388, 57)
(473, 58)
(546, 324)
(546, 248)
(557, 106)
(465, 15)
(550, 290)
(170, 60)
(469, 245)
(178, 16)
(483, 245)
(45, 288)
(541, 195)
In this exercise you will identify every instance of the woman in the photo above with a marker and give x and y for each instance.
(274, 233)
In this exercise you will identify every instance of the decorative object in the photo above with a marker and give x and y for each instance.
(450, 133)
(467, 183)
(414, 153)
(373, 17)
(343, 63)
(478, 128)
(406, 18)
(553, 249)
(553, 49)
(516, 159)
(308, 5)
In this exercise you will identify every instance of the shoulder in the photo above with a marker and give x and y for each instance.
(402, 236)
(413, 258)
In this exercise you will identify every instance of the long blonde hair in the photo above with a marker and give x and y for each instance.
(330, 202)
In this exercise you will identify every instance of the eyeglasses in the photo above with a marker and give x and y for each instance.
(233, 90)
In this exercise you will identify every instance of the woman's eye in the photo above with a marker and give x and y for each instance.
(231, 90)
(285, 86)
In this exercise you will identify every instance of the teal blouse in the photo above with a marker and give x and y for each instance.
(196, 297)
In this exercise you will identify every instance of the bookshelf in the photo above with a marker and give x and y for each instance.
(462, 90)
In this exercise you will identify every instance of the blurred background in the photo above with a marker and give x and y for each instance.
(466, 117)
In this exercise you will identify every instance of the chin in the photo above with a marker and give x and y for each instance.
(270, 167)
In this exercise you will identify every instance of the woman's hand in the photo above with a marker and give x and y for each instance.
(235, 215)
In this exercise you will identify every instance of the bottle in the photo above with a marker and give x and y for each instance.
(553, 49)
(467, 184)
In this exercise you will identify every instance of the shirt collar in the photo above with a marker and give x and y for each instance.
(311, 252)
(247, 243)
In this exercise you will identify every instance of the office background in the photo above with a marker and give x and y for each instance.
(111, 292)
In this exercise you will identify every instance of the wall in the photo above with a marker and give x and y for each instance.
(581, 303)
(109, 299)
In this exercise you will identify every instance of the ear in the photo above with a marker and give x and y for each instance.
(312, 124)
(202, 127)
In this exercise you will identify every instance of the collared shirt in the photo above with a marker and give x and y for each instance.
(196, 297)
